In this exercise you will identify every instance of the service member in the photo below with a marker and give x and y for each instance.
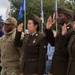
(34, 46)
(10, 55)
(71, 49)
(60, 58)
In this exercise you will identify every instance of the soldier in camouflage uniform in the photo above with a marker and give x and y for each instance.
(10, 55)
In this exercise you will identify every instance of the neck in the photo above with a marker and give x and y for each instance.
(33, 32)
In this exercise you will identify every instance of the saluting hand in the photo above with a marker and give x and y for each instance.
(20, 27)
(74, 25)
(64, 29)
(50, 22)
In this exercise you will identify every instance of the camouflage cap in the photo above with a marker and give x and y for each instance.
(65, 11)
(35, 17)
(11, 20)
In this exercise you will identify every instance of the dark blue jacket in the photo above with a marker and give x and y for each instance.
(1, 33)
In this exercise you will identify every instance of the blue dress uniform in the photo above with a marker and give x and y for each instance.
(35, 48)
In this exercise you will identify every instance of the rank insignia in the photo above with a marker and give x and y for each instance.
(36, 34)
(34, 40)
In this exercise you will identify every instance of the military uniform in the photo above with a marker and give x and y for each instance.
(10, 55)
(60, 58)
(71, 49)
(34, 47)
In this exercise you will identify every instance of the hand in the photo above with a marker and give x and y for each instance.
(74, 25)
(64, 30)
(50, 22)
(20, 27)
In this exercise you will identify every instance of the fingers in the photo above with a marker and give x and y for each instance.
(64, 26)
(64, 29)
(50, 22)
(50, 18)
(74, 25)
(20, 27)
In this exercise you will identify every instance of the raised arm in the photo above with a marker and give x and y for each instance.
(49, 33)
(17, 40)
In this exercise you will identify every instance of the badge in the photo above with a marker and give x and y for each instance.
(44, 46)
(36, 34)
(34, 40)
(68, 27)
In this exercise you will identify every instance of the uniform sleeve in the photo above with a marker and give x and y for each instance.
(49, 36)
(42, 56)
(17, 41)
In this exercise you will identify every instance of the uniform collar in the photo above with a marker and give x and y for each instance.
(33, 33)
(69, 23)
(10, 32)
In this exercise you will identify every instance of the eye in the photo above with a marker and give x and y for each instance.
(7, 24)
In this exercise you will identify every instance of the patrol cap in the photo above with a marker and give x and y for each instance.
(35, 18)
(11, 20)
(65, 11)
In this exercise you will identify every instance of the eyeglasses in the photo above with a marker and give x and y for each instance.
(7, 24)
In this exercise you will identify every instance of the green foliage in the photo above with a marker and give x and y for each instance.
(33, 6)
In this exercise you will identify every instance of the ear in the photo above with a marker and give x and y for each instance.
(68, 17)
(36, 25)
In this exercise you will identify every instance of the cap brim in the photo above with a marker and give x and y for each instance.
(6, 22)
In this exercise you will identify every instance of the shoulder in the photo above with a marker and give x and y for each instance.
(41, 34)
(13, 34)
(2, 38)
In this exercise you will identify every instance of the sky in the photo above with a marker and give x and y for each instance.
(3, 7)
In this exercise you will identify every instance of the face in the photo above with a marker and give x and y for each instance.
(1, 26)
(8, 27)
(31, 27)
(61, 19)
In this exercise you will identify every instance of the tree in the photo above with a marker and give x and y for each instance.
(33, 6)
